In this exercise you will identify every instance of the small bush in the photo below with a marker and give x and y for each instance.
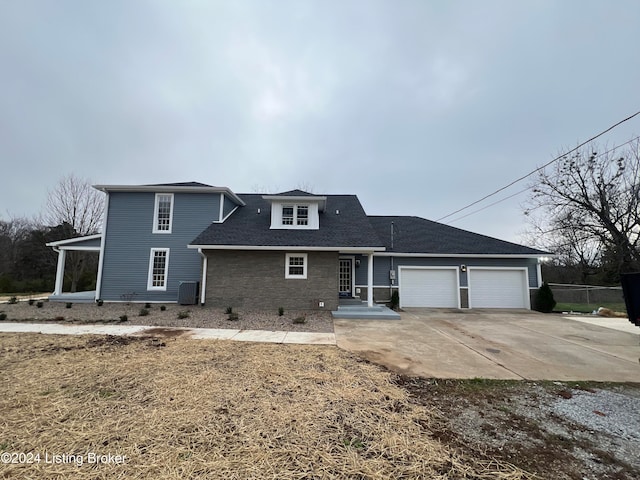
(163, 308)
(280, 311)
(68, 305)
(3, 316)
(143, 312)
(13, 300)
(124, 318)
(31, 301)
(147, 305)
(59, 318)
(39, 304)
(544, 301)
(183, 314)
(233, 316)
(100, 302)
(228, 310)
(300, 320)
(395, 300)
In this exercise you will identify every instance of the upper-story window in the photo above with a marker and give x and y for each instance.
(295, 215)
(163, 213)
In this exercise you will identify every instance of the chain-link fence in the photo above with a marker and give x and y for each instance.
(588, 294)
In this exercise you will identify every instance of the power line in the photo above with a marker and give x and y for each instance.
(528, 188)
(542, 167)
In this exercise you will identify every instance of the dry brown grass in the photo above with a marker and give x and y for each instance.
(179, 408)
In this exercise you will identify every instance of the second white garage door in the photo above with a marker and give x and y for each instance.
(498, 288)
(429, 287)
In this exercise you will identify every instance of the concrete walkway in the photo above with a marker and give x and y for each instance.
(305, 338)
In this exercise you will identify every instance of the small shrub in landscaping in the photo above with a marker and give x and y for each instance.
(300, 320)
(13, 300)
(123, 318)
(31, 301)
(229, 310)
(183, 314)
(233, 316)
(59, 318)
(3, 316)
(280, 311)
(39, 304)
(100, 302)
(163, 308)
(69, 305)
(147, 305)
(143, 312)
(544, 301)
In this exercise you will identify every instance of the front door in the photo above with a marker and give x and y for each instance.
(345, 277)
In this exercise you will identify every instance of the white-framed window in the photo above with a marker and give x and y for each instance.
(302, 215)
(158, 269)
(287, 214)
(163, 213)
(295, 215)
(295, 265)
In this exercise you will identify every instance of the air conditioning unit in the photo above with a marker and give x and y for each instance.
(188, 293)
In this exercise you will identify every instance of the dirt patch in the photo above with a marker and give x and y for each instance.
(215, 409)
(165, 332)
(549, 428)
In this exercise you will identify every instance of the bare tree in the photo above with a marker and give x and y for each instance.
(76, 203)
(589, 203)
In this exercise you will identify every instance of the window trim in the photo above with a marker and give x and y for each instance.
(152, 255)
(295, 223)
(287, 266)
(156, 213)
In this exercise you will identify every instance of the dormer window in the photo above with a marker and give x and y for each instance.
(296, 210)
(295, 215)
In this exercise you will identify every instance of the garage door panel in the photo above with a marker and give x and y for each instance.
(437, 288)
(498, 288)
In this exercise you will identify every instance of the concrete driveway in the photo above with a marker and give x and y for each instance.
(494, 344)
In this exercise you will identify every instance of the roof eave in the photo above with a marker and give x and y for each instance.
(169, 189)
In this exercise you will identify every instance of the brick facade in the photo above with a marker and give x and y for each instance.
(256, 279)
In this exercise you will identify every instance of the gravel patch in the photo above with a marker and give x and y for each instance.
(604, 411)
(194, 316)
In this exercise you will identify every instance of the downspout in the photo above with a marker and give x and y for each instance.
(203, 282)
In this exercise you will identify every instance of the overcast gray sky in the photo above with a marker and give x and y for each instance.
(418, 107)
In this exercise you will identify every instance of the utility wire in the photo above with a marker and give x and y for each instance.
(542, 167)
(528, 188)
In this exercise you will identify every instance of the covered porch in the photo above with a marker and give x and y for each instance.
(350, 304)
(90, 243)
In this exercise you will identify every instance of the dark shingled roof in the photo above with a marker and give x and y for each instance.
(180, 184)
(296, 193)
(247, 227)
(419, 235)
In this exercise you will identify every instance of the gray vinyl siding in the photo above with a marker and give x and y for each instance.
(129, 240)
(382, 265)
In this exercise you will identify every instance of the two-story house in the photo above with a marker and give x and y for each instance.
(293, 249)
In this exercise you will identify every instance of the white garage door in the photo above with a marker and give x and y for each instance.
(429, 287)
(502, 288)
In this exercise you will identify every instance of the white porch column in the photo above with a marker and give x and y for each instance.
(370, 279)
(62, 256)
